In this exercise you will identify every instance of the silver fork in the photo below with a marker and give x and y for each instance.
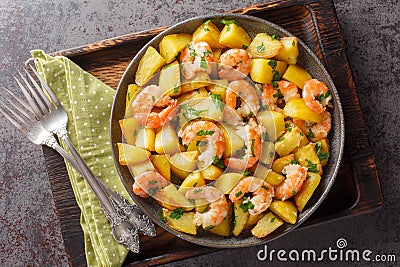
(125, 219)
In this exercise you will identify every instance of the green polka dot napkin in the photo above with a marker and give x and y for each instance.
(88, 104)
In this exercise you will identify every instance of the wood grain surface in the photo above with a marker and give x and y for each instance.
(356, 189)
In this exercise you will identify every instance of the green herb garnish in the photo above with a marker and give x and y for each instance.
(203, 63)
(293, 161)
(244, 47)
(278, 94)
(261, 48)
(228, 21)
(176, 214)
(310, 134)
(176, 89)
(272, 63)
(209, 227)
(323, 96)
(272, 219)
(161, 215)
(312, 167)
(293, 43)
(188, 110)
(294, 192)
(195, 191)
(265, 187)
(218, 162)
(275, 36)
(246, 205)
(238, 194)
(204, 133)
(252, 146)
(216, 98)
(323, 155)
(152, 191)
(153, 182)
(200, 143)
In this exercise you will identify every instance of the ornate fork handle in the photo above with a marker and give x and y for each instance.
(125, 218)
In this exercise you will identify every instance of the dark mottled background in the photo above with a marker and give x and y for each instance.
(30, 234)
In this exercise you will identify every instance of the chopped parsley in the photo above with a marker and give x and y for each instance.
(153, 98)
(204, 133)
(246, 205)
(265, 187)
(293, 43)
(176, 214)
(206, 29)
(278, 94)
(271, 154)
(161, 215)
(195, 191)
(275, 36)
(275, 84)
(247, 173)
(252, 146)
(203, 63)
(153, 182)
(228, 21)
(276, 76)
(261, 48)
(272, 63)
(206, 53)
(281, 139)
(265, 107)
(310, 134)
(218, 162)
(311, 166)
(216, 98)
(208, 21)
(176, 89)
(318, 146)
(323, 96)
(244, 47)
(294, 192)
(238, 194)
(209, 227)
(293, 161)
(272, 219)
(188, 110)
(323, 155)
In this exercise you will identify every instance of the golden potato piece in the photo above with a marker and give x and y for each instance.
(274, 122)
(322, 148)
(180, 221)
(234, 36)
(169, 197)
(172, 44)
(297, 109)
(261, 70)
(131, 155)
(145, 138)
(267, 153)
(240, 218)
(290, 50)
(141, 167)
(227, 181)
(264, 46)
(161, 164)
(280, 163)
(198, 94)
(130, 128)
(218, 87)
(170, 79)
(307, 190)
(166, 141)
(297, 75)
(212, 172)
(253, 220)
(288, 142)
(149, 64)
(130, 96)
(266, 225)
(274, 178)
(195, 179)
(307, 157)
(208, 32)
(286, 210)
(183, 163)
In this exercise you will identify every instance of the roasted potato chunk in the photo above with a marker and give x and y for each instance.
(264, 46)
(266, 225)
(227, 181)
(180, 221)
(297, 109)
(280, 163)
(297, 75)
(131, 155)
(208, 32)
(240, 218)
(307, 157)
(261, 70)
(307, 190)
(172, 44)
(286, 210)
(149, 64)
(129, 128)
(290, 50)
(234, 36)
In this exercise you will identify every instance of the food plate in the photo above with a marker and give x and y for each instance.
(308, 60)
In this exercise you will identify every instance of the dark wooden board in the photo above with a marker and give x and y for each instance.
(356, 190)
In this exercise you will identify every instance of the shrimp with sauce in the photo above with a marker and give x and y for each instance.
(234, 64)
(285, 89)
(218, 208)
(295, 176)
(318, 131)
(316, 95)
(253, 148)
(197, 57)
(208, 131)
(153, 96)
(262, 193)
(148, 183)
(247, 95)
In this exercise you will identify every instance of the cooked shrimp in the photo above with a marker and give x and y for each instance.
(262, 191)
(318, 131)
(253, 148)
(153, 96)
(311, 91)
(234, 64)
(295, 176)
(285, 89)
(247, 95)
(196, 57)
(208, 131)
(218, 208)
(149, 182)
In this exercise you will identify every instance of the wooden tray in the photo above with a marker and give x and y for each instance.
(356, 190)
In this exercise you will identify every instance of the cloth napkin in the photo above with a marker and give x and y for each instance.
(88, 103)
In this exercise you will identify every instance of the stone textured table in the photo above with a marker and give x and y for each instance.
(29, 231)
